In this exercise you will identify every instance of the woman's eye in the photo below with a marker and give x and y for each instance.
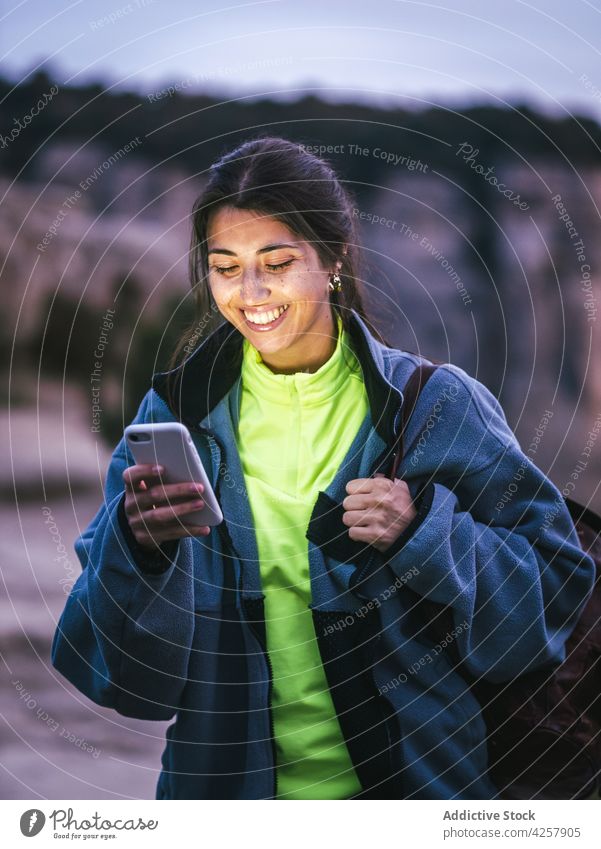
(279, 265)
(227, 269)
(223, 269)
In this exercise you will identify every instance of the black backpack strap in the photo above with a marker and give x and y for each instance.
(417, 380)
(437, 618)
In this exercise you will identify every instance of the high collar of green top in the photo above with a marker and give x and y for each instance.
(311, 387)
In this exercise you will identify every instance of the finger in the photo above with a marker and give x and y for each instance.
(181, 530)
(162, 517)
(168, 534)
(366, 501)
(357, 518)
(147, 501)
(174, 493)
(362, 534)
(364, 485)
(359, 485)
(155, 537)
(134, 475)
(199, 530)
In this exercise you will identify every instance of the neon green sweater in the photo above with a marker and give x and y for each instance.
(294, 431)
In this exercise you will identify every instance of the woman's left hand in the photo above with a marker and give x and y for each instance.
(377, 510)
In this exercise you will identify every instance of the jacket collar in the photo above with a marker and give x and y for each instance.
(207, 375)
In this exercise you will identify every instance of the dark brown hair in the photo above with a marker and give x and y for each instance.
(277, 177)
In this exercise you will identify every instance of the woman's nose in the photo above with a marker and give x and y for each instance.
(253, 289)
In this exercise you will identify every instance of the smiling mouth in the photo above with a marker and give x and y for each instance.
(265, 317)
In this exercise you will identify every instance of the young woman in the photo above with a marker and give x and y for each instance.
(296, 665)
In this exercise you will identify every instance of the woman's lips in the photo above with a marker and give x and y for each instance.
(261, 328)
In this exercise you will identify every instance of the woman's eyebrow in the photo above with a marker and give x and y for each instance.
(260, 251)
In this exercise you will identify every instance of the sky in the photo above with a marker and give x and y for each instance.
(544, 53)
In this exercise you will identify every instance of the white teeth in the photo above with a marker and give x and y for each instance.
(265, 317)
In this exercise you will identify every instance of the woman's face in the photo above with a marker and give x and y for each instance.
(256, 266)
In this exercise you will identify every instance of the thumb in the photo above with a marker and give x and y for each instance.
(379, 475)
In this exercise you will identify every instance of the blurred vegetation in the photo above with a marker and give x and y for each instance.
(192, 130)
(136, 348)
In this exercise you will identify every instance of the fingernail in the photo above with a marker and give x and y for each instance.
(157, 469)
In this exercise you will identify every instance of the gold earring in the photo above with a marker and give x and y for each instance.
(335, 283)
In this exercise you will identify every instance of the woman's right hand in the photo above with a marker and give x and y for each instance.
(156, 512)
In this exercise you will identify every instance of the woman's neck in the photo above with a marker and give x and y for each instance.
(312, 357)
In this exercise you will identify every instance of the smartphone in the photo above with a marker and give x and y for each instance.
(170, 445)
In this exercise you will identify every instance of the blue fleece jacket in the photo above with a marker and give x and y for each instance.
(182, 634)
